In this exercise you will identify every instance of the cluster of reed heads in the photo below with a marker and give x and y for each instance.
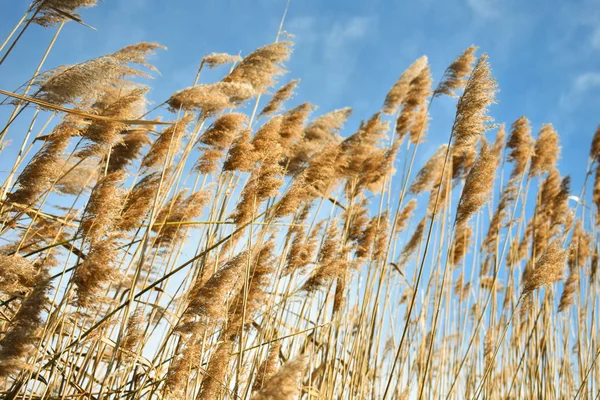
(241, 250)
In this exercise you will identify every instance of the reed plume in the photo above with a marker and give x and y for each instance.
(17, 274)
(223, 130)
(208, 299)
(405, 215)
(45, 167)
(546, 151)
(241, 156)
(364, 242)
(595, 147)
(490, 283)
(579, 251)
(521, 146)
(211, 98)
(268, 367)
(471, 120)
(327, 125)
(594, 266)
(292, 127)
(127, 150)
(208, 162)
(19, 342)
(267, 140)
(478, 185)
(330, 261)
(260, 68)
(314, 181)
(356, 149)
(456, 75)
(139, 202)
(104, 135)
(78, 175)
(52, 12)
(213, 381)
(133, 334)
(283, 94)
(356, 220)
(180, 209)
(581, 246)
(430, 174)
(320, 133)
(499, 142)
(548, 269)
(381, 238)
(302, 250)
(96, 271)
(462, 241)
(102, 212)
(260, 274)
(85, 82)
(507, 198)
(263, 183)
(571, 286)
(397, 93)
(167, 144)
(411, 246)
(283, 384)
(214, 60)
(178, 372)
(413, 118)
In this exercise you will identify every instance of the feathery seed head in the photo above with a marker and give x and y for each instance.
(284, 384)
(45, 167)
(214, 60)
(405, 215)
(52, 12)
(167, 145)
(595, 148)
(549, 268)
(413, 118)
(521, 145)
(208, 299)
(396, 95)
(429, 176)
(211, 98)
(478, 185)
(456, 75)
(281, 96)
(17, 274)
(471, 120)
(19, 341)
(546, 151)
(413, 242)
(327, 125)
(241, 156)
(103, 209)
(224, 130)
(84, 82)
(462, 241)
(260, 68)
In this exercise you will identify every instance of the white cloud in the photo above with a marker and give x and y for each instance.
(335, 47)
(583, 85)
(305, 29)
(595, 40)
(485, 9)
(342, 34)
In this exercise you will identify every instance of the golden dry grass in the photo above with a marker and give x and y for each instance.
(229, 253)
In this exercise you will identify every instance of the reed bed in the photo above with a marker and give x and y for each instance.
(222, 245)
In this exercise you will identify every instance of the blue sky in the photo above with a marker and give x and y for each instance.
(544, 54)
